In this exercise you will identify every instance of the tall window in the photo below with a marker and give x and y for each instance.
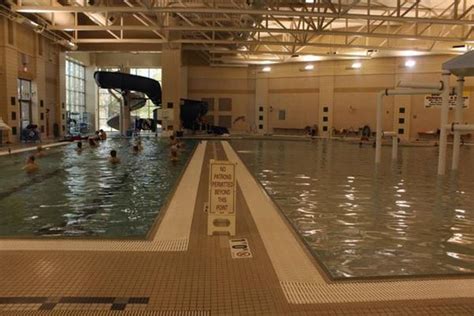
(77, 118)
(152, 73)
(24, 97)
(75, 86)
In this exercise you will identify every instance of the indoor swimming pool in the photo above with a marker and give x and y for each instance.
(83, 195)
(399, 219)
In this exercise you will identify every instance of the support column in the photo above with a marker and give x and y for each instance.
(379, 127)
(443, 137)
(172, 86)
(458, 119)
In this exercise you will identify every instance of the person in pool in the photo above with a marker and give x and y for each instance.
(92, 142)
(102, 134)
(136, 150)
(40, 152)
(174, 152)
(31, 165)
(113, 159)
(79, 147)
(138, 143)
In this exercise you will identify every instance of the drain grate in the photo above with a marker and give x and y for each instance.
(316, 293)
(92, 245)
(106, 313)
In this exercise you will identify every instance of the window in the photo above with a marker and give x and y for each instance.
(75, 86)
(24, 99)
(401, 121)
(401, 110)
(325, 109)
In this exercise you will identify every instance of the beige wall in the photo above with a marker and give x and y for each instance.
(349, 94)
(235, 83)
(32, 57)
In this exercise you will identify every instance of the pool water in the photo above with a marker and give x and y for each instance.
(360, 220)
(81, 195)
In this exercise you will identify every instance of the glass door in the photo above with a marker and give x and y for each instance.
(24, 97)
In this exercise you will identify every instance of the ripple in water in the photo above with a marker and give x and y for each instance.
(83, 195)
(361, 221)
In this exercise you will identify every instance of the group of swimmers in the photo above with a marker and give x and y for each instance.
(175, 146)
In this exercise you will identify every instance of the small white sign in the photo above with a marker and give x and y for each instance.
(222, 188)
(435, 100)
(239, 248)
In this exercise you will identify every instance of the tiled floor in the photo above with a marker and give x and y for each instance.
(203, 280)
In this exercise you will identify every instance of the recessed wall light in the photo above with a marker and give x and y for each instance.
(309, 67)
(356, 65)
(267, 69)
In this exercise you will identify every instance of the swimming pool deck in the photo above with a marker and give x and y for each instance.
(179, 270)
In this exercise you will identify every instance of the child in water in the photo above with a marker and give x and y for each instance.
(174, 152)
(102, 135)
(136, 150)
(31, 165)
(40, 152)
(79, 147)
(138, 143)
(92, 142)
(113, 159)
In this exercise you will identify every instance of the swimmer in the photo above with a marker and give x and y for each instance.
(102, 135)
(92, 142)
(31, 165)
(79, 147)
(113, 159)
(136, 150)
(40, 152)
(173, 140)
(138, 143)
(174, 152)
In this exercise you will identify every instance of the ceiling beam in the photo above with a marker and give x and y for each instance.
(201, 29)
(224, 10)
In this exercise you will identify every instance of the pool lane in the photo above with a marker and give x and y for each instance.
(172, 234)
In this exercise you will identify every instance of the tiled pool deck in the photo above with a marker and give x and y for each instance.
(179, 270)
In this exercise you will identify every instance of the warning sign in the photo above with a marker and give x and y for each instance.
(435, 100)
(222, 188)
(239, 248)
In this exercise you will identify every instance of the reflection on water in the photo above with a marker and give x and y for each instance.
(359, 220)
(84, 195)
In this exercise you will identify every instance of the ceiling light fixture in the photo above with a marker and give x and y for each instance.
(356, 65)
(309, 67)
(410, 63)
(267, 69)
